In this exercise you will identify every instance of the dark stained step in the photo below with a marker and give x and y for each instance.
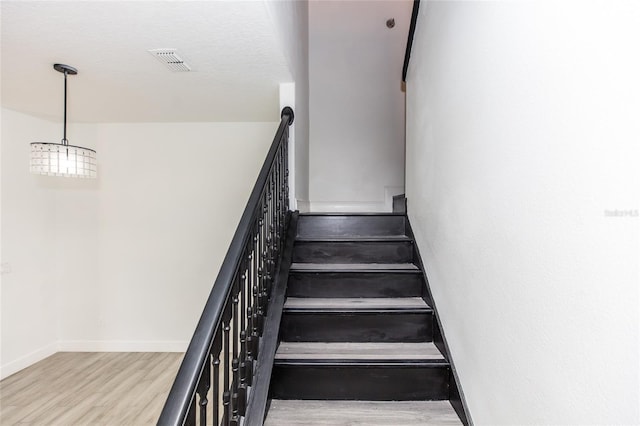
(360, 380)
(353, 225)
(354, 250)
(358, 280)
(356, 320)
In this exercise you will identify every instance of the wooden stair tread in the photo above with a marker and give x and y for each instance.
(355, 267)
(358, 351)
(371, 413)
(353, 303)
(351, 214)
(356, 238)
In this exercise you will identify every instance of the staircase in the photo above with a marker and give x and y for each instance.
(358, 339)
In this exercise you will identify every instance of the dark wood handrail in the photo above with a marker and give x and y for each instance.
(180, 405)
(412, 30)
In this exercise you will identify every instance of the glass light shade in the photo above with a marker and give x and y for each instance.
(55, 159)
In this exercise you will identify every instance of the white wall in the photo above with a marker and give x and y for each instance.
(170, 198)
(130, 257)
(291, 19)
(356, 139)
(28, 311)
(523, 130)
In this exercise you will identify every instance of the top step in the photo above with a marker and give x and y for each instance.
(329, 225)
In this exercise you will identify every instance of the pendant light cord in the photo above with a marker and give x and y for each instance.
(64, 135)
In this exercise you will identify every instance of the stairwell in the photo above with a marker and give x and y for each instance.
(359, 343)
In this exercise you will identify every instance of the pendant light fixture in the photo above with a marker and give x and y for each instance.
(62, 159)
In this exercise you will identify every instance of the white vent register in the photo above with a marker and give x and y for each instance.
(171, 59)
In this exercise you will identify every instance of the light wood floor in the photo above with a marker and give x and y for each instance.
(89, 389)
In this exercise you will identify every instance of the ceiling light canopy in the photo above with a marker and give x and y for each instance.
(62, 159)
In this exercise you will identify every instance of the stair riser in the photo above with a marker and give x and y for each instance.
(357, 327)
(353, 252)
(366, 382)
(350, 226)
(349, 284)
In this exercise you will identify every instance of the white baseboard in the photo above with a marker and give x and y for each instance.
(122, 346)
(303, 206)
(384, 206)
(23, 362)
(12, 367)
(348, 207)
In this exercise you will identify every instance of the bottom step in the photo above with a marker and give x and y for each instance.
(352, 413)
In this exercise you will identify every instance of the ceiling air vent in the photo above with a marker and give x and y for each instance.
(170, 58)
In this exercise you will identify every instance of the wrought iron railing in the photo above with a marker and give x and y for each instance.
(213, 382)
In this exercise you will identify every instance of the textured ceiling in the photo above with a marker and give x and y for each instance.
(232, 47)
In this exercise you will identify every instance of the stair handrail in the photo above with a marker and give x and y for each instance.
(237, 303)
(412, 30)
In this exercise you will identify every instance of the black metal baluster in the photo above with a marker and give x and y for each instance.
(276, 219)
(280, 196)
(250, 358)
(286, 172)
(272, 232)
(285, 184)
(251, 341)
(243, 334)
(250, 313)
(257, 285)
(259, 248)
(282, 208)
(226, 396)
(255, 335)
(235, 363)
(257, 277)
(235, 413)
(254, 310)
(275, 224)
(215, 361)
(276, 193)
(203, 390)
(267, 232)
